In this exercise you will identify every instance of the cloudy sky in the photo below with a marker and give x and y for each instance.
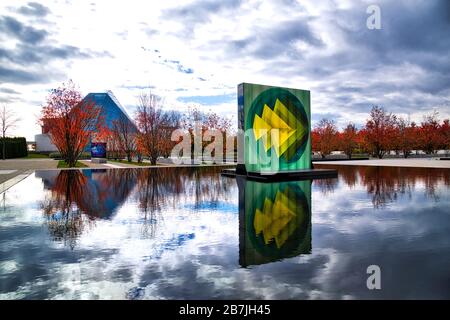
(197, 52)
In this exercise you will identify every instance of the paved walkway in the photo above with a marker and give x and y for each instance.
(11, 168)
(14, 170)
(96, 165)
(416, 163)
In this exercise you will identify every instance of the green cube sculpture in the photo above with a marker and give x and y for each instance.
(277, 125)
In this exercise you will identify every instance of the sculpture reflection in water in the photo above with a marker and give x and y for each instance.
(274, 220)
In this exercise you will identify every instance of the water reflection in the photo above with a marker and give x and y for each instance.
(386, 184)
(164, 188)
(188, 233)
(76, 198)
(97, 193)
(274, 220)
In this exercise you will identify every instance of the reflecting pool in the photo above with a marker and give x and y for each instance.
(189, 233)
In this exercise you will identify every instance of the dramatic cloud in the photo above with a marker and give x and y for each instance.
(197, 52)
(272, 42)
(200, 12)
(18, 30)
(34, 9)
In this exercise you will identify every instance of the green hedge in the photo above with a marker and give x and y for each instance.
(14, 147)
(57, 155)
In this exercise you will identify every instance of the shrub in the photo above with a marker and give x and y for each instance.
(14, 148)
(57, 155)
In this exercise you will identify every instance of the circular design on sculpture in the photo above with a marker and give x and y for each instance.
(291, 110)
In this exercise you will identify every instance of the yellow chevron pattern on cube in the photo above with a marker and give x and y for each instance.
(280, 119)
(273, 220)
(292, 121)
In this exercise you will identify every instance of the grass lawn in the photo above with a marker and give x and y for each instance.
(62, 164)
(36, 156)
(134, 163)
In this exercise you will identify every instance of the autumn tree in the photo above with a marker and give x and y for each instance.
(155, 126)
(194, 121)
(113, 145)
(173, 120)
(125, 134)
(198, 122)
(326, 134)
(315, 141)
(430, 138)
(445, 134)
(379, 131)
(348, 139)
(71, 122)
(8, 121)
(220, 124)
(406, 132)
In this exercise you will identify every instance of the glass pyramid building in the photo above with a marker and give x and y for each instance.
(111, 108)
(112, 111)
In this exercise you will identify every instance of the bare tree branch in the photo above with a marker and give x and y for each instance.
(8, 120)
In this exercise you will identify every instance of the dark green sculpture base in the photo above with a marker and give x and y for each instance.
(309, 174)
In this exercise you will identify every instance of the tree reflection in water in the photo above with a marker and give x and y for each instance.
(386, 184)
(77, 198)
(65, 221)
(326, 186)
(164, 188)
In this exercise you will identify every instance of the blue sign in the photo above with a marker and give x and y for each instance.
(98, 149)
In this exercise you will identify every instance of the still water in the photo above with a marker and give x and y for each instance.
(184, 233)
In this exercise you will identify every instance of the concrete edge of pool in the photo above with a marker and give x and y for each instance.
(13, 181)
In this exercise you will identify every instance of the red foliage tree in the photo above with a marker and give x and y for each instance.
(348, 139)
(445, 134)
(197, 122)
(315, 141)
(155, 127)
(380, 131)
(71, 121)
(124, 133)
(406, 136)
(430, 139)
(326, 135)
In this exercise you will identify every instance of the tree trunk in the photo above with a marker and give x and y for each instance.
(4, 147)
(71, 162)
